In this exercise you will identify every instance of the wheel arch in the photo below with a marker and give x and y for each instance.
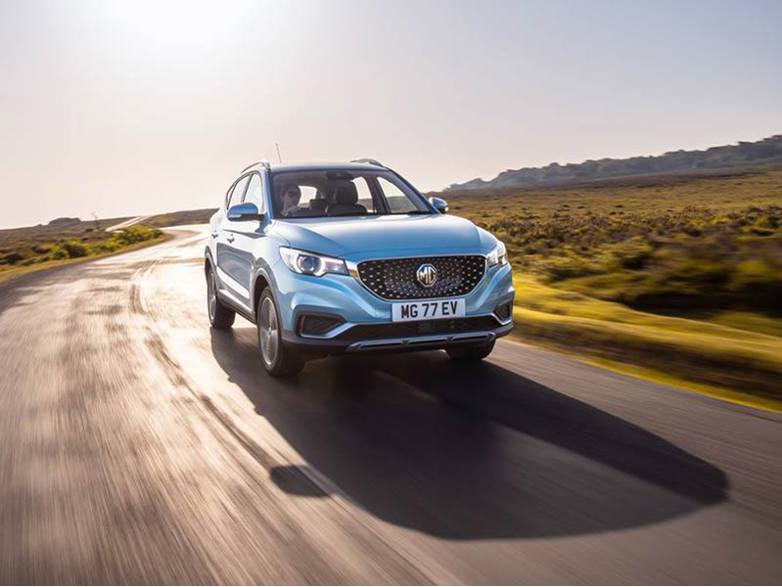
(208, 263)
(260, 283)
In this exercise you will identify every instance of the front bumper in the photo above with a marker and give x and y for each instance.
(425, 334)
(363, 320)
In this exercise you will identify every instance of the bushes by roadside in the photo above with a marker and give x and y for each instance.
(693, 259)
(684, 279)
(86, 243)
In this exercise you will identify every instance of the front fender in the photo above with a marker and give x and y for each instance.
(262, 270)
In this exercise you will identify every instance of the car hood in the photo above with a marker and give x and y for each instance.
(388, 236)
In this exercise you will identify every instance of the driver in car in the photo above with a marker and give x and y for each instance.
(290, 201)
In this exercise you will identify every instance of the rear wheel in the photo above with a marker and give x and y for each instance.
(278, 359)
(220, 316)
(470, 353)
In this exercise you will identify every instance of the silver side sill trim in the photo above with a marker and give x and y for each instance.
(226, 293)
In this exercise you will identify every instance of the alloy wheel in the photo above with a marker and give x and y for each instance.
(211, 287)
(268, 331)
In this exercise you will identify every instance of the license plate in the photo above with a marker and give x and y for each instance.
(432, 310)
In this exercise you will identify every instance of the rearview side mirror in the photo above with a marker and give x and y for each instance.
(245, 211)
(439, 204)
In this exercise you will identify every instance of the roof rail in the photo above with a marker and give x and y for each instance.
(263, 163)
(374, 162)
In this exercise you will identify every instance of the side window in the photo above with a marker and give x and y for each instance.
(364, 194)
(254, 193)
(398, 202)
(238, 193)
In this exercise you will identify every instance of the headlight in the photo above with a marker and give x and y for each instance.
(310, 263)
(499, 256)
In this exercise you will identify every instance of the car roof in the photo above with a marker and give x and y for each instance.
(348, 166)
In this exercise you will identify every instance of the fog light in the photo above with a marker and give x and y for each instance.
(317, 325)
(504, 311)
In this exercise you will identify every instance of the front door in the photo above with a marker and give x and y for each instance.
(243, 236)
(227, 262)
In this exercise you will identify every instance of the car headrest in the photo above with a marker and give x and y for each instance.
(318, 204)
(345, 193)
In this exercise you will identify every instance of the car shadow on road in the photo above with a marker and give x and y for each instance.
(467, 452)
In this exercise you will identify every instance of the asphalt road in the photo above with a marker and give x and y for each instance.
(136, 446)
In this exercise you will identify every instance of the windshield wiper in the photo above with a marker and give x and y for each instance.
(409, 213)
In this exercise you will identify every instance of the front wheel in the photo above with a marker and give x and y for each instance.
(220, 317)
(278, 359)
(470, 353)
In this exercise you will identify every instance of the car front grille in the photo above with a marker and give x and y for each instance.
(395, 279)
(419, 328)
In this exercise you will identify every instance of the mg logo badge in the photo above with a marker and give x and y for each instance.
(426, 275)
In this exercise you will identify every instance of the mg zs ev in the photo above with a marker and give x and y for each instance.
(351, 258)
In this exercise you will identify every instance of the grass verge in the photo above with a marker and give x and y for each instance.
(14, 272)
(732, 364)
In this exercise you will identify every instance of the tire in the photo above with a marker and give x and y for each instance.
(220, 316)
(470, 353)
(277, 359)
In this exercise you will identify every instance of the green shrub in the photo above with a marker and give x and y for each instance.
(755, 272)
(11, 258)
(560, 268)
(633, 254)
(108, 246)
(42, 249)
(702, 274)
(75, 249)
(57, 253)
(136, 234)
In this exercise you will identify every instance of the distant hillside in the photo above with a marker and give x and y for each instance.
(766, 151)
(57, 228)
(64, 221)
(183, 217)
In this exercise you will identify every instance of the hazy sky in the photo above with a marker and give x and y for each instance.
(134, 107)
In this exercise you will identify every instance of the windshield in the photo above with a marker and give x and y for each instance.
(318, 194)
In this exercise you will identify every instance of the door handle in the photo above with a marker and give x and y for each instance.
(231, 238)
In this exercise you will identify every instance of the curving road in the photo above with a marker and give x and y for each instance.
(139, 446)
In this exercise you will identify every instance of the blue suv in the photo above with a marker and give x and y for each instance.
(350, 258)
